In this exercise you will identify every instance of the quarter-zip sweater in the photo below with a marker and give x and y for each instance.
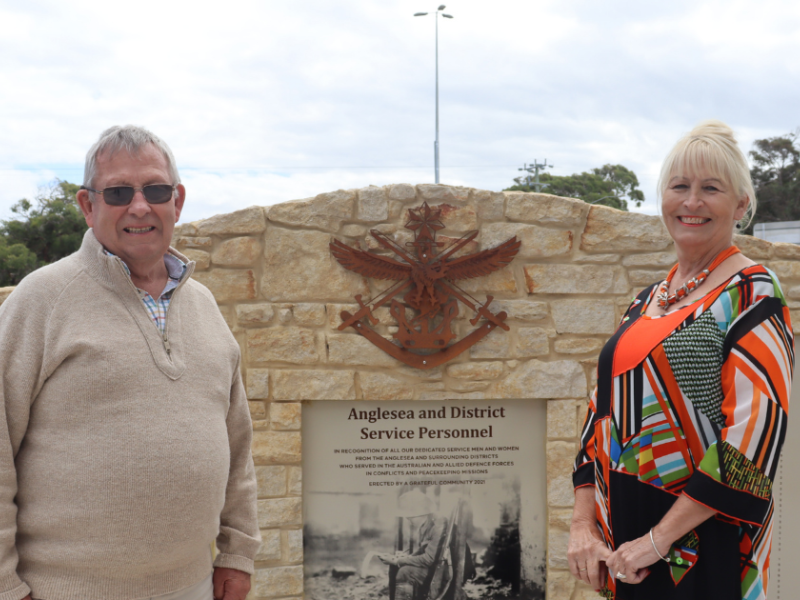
(123, 454)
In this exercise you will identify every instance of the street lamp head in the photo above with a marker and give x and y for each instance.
(420, 14)
(441, 7)
(448, 16)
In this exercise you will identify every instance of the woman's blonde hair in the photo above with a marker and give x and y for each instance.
(711, 146)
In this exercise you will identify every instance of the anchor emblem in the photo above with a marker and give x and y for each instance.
(427, 274)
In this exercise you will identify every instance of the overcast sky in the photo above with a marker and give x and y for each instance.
(267, 101)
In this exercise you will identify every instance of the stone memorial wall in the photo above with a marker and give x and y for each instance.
(281, 292)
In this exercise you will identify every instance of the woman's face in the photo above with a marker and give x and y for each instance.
(700, 211)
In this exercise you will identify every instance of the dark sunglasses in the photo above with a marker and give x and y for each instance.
(122, 195)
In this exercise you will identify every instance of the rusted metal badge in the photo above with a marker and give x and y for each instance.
(426, 275)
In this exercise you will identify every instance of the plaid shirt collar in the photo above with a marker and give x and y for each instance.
(157, 307)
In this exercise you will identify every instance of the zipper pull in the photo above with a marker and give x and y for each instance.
(166, 345)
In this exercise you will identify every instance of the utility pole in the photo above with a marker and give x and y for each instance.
(534, 168)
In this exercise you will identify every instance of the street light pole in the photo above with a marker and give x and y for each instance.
(436, 141)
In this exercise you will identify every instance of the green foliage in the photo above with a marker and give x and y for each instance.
(16, 261)
(49, 229)
(611, 185)
(776, 178)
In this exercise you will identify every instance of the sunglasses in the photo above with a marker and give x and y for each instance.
(122, 195)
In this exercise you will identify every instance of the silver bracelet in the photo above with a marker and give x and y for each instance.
(666, 560)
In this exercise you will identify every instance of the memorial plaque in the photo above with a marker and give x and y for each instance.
(458, 486)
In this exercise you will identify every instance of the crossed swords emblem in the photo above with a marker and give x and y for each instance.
(428, 280)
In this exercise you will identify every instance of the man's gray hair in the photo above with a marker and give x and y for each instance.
(132, 139)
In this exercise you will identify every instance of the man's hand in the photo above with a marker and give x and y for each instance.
(230, 584)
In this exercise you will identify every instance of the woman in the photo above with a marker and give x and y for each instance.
(673, 480)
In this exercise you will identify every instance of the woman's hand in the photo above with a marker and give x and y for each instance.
(631, 559)
(587, 553)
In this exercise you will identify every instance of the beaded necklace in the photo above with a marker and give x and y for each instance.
(665, 299)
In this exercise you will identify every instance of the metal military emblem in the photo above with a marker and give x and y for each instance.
(426, 276)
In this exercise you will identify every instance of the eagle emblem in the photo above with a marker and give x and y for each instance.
(426, 275)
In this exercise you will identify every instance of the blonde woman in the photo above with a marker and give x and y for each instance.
(681, 442)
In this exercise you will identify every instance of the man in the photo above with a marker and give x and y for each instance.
(124, 428)
(430, 529)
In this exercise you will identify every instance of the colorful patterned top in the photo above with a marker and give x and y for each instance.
(694, 402)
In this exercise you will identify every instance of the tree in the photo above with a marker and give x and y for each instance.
(49, 230)
(776, 178)
(611, 185)
(16, 261)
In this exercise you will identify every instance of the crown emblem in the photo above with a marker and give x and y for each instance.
(426, 276)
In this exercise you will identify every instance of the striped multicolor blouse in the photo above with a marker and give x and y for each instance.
(693, 402)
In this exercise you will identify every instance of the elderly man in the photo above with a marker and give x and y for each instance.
(124, 427)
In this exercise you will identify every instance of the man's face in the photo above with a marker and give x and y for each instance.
(138, 233)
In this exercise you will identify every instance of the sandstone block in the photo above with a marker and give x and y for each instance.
(545, 209)
(271, 481)
(276, 446)
(199, 243)
(254, 314)
(561, 418)
(532, 341)
(794, 315)
(258, 384)
(584, 591)
(270, 545)
(560, 518)
(560, 585)
(276, 512)
(753, 247)
(325, 212)
(783, 250)
(441, 193)
(450, 395)
(284, 314)
(298, 267)
(309, 315)
(294, 345)
(380, 386)
(229, 285)
(237, 252)
(313, 385)
(296, 480)
(786, 270)
(404, 192)
(201, 258)
(495, 345)
(258, 411)
(538, 379)
(643, 278)
(278, 582)
(560, 456)
(611, 230)
(5, 292)
(583, 316)
(490, 206)
(373, 205)
(184, 230)
(557, 542)
(658, 260)
(229, 315)
(458, 219)
(476, 371)
(285, 416)
(598, 259)
(576, 279)
(293, 542)
(521, 310)
(499, 282)
(464, 386)
(794, 292)
(353, 230)
(240, 222)
(578, 346)
(537, 242)
(356, 350)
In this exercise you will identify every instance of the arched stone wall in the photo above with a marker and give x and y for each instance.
(281, 292)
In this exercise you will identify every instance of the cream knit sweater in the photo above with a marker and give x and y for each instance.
(120, 462)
